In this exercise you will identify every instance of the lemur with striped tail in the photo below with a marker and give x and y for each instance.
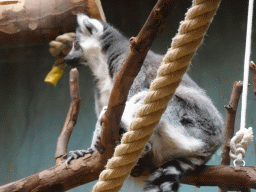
(191, 128)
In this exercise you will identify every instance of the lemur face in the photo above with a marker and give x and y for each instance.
(87, 41)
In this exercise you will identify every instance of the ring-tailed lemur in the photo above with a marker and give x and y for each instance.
(190, 129)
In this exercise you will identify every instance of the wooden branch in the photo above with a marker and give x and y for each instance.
(62, 143)
(95, 9)
(227, 177)
(253, 72)
(62, 177)
(230, 121)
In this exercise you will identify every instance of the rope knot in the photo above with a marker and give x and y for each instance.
(61, 43)
(238, 144)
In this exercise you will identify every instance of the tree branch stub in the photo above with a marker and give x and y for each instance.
(230, 121)
(253, 73)
(62, 143)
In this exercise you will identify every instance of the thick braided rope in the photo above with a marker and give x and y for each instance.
(60, 43)
(58, 47)
(174, 65)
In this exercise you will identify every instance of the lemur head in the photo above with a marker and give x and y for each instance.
(86, 42)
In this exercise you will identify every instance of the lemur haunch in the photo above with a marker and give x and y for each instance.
(191, 128)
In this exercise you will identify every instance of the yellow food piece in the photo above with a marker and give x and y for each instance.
(53, 76)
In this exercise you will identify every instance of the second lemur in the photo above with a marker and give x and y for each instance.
(191, 128)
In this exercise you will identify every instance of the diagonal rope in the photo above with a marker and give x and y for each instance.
(169, 75)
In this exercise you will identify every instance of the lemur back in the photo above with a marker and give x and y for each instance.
(191, 128)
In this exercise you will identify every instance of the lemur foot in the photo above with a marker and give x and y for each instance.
(78, 153)
(96, 144)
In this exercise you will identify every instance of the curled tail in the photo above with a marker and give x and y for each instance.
(166, 178)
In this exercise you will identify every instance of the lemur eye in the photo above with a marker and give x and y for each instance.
(76, 44)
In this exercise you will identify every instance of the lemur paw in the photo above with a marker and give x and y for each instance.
(165, 178)
(78, 153)
(98, 145)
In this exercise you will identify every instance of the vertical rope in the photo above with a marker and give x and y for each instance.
(238, 144)
(246, 63)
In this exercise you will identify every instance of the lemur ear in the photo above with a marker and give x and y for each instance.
(84, 23)
(89, 25)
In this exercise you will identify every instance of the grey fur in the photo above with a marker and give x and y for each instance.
(191, 128)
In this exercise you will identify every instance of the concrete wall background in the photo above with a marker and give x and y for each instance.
(32, 113)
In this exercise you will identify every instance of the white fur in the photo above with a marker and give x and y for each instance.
(185, 166)
(153, 190)
(131, 107)
(171, 170)
(166, 186)
(95, 59)
(97, 130)
(98, 63)
(170, 142)
(84, 20)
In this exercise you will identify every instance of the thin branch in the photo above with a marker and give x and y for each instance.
(62, 143)
(253, 72)
(230, 121)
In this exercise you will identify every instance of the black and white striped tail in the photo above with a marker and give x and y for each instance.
(166, 177)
